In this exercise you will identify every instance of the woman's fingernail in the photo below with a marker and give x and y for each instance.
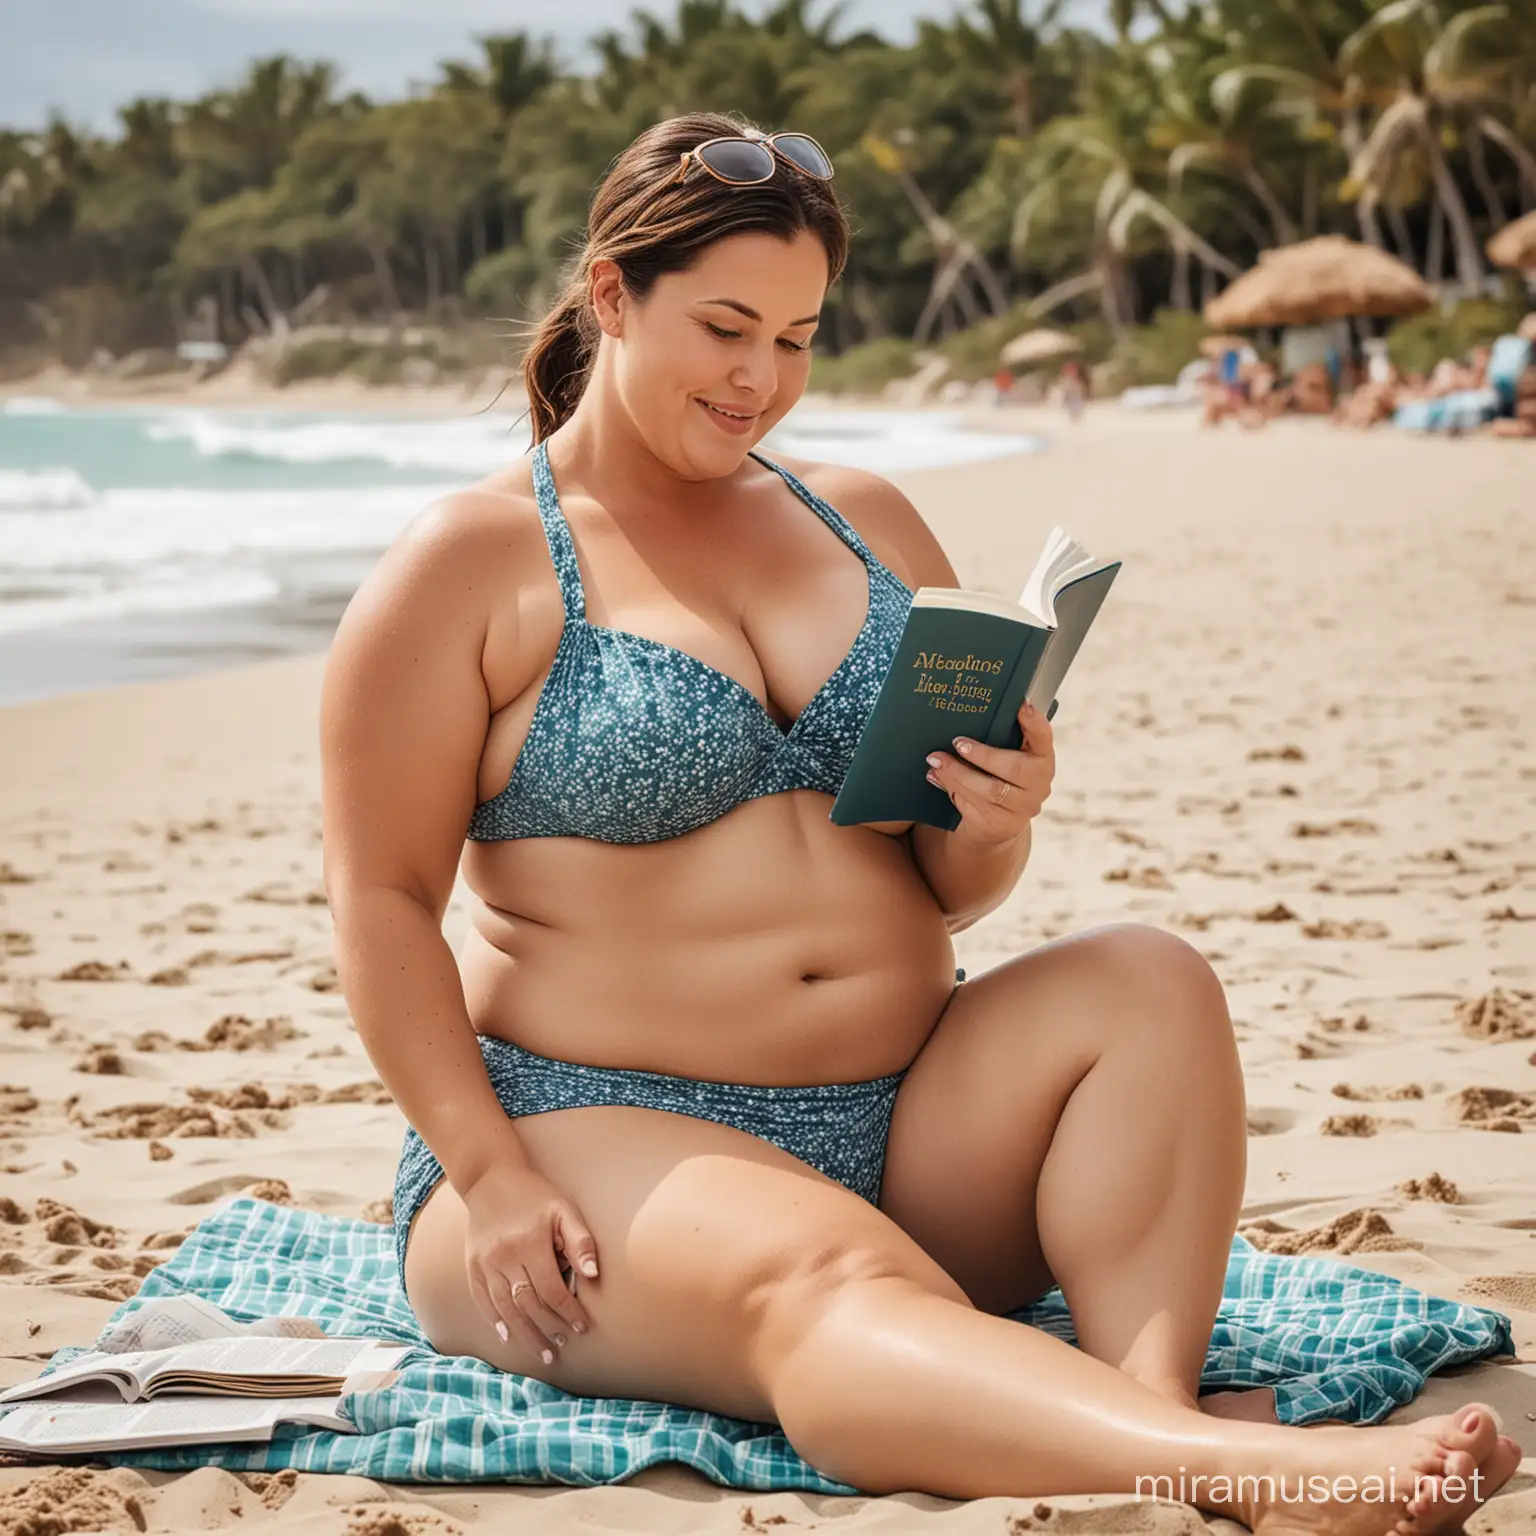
(962, 745)
(501, 1332)
(579, 1326)
(932, 780)
(1471, 1421)
(549, 1358)
(934, 760)
(589, 1268)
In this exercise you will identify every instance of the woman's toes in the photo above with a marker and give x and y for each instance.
(1475, 1429)
(1460, 1464)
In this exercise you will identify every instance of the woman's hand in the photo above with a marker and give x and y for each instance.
(517, 1222)
(998, 792)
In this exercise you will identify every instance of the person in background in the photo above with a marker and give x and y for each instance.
(1074, 389)
(1002, 381)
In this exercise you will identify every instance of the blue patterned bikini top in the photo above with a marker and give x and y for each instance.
(634, 741)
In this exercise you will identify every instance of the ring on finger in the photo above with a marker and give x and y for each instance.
(1007, 790)
(521, 1285)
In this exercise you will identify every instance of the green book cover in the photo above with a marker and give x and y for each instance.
(964, 671)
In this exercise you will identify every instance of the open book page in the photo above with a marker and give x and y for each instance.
(1062, 562)
(60, 1428)
(238, 1365)
(168, 1320)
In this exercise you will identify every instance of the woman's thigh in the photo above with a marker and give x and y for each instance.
(976, 1114)
(713, 1247)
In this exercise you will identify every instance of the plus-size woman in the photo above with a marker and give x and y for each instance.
(702, 1111)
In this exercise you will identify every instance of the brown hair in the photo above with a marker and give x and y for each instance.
(650, 227)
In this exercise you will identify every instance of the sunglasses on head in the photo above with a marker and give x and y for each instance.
(741, 160)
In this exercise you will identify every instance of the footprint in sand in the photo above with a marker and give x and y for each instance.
(1359, 1024)
(1270, 1122)
(1359, 1231)
(212, 1189)
(1350, 826)
(1431, 1187)
(27, 1015)
(15, 944)
(1508, 915)
(16, 1099)
(257, 1185)
(1352, 928)
(1375, 1095)
(73, 1499)
(1279, 913)
(231, 1032)
(208, 957)
(1495, 1109)
(163, 1122)
(64, 1224)
(1498, 1015)
(200, 917)
(1285, 754)
(95, 970)
(281, 893)
(1148, 879)
(1351, 1125)
(102, 1061)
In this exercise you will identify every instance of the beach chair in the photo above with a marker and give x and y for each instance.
(1465, 410)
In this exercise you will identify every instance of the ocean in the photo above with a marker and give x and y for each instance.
(140, 543)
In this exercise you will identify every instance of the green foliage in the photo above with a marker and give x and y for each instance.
(511, 283)
(1111, 175)
(1154, 353)
(321, 358)
(1417, 344)
(866, 369)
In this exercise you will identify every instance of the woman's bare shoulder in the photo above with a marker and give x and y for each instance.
(474, 540)
(882, 515)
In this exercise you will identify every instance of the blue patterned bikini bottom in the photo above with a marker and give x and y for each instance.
(839, 1128)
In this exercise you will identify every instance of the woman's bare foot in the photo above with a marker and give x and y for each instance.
(1421, 1479)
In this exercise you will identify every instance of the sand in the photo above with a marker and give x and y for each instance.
(1301, 738)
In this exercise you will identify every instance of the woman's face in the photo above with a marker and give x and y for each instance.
(716, 355)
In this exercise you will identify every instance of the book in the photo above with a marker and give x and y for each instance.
(964, 666)
(54, 1428)
(251, 1366)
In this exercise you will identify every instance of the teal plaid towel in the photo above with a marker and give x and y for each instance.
(1334, 1341)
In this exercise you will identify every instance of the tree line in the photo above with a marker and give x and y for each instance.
(1002, 155)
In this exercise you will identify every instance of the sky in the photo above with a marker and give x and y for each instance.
(86, 57)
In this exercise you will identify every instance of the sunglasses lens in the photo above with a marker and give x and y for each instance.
(806, 153)
(738, 160)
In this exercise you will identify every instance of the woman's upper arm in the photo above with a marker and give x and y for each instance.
(404, 711)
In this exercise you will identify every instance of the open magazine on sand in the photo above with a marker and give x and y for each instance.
(211, 1378)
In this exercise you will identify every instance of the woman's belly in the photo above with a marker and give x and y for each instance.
(768, 947)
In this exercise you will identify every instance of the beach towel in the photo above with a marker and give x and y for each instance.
(1334, 1341)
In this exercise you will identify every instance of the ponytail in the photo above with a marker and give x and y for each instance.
(558, 360)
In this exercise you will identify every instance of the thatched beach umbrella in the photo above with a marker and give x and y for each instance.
(1314, 281)
(1515, 244)
(1035, 347)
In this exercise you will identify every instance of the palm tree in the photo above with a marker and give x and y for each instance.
(1002, 38)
